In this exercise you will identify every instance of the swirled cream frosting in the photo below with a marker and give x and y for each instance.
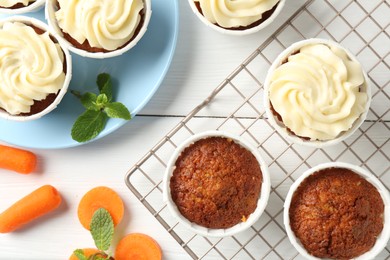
(107, 24)
(31, 67)
(317, 92)
(10, 3)
(235, 13)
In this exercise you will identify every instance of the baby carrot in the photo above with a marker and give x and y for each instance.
(30, 207)
(17, 160)
(138, 246)
(100, 197)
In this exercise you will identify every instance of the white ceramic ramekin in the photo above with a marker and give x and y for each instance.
(252, 30)
(262, 202)
(281, 128)
(41, 25)
(51, 8)
(384, 236)
(35, 6)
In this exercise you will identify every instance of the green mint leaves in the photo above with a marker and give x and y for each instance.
(99, 107)
(102, 229)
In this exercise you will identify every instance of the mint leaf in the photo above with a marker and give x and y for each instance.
(88, 125)
(101, 100)
(89, 101)
(102, 229)
(105, 86)
(80, 254)
(117, 110)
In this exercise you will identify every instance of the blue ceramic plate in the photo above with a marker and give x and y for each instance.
(137, 75)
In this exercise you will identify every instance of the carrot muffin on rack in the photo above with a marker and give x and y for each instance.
(216, 183)
(100, 26)
(236, 15)
(336, 213)
(32, 68)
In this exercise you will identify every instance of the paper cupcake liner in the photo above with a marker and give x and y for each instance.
(209, 232)
(37, 5)
(41, 25)
(252, 30)
(281, 128)
(384, 236)
(51, 8)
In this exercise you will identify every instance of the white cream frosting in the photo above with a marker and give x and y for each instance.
(317, 92)
(235, 13)
(9, 3)
(31, 67)
(107, 24)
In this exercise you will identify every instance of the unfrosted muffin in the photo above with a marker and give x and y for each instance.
(337, 211)
(316, 91)
(102, 28)
(237, 17)
(33, 69)
(216, 184)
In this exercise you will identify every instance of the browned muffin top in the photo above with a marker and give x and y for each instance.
(336, 213)
(216, 183)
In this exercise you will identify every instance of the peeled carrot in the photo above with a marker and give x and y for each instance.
(138, 246)
(30, 207)
(17, 160)
(100, 197)
(87, 252)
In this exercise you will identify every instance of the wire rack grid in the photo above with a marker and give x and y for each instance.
(361, 26)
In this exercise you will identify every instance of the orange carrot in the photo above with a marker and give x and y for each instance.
(87, 252)
(100, 197)
(138, 246)
(17, 160)
(30, 207)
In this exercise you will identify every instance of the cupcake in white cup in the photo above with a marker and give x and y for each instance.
(99, 29)
(316, 93)
(20, 6)
(216, 184)
(338, 211)
(240, 17)
(35, 69)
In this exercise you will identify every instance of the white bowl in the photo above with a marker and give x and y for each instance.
(51, 8)
(252, 30)
(29, 8)
(209, 232)
(41, 25)
(281, 128)
(384, 236)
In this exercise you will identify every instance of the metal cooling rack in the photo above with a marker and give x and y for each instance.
(362, 26)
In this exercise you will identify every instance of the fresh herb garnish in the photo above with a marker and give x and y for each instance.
(102, 231)
(98, 109)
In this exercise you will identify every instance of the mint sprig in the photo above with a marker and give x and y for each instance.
(102, 231)
(99, 107)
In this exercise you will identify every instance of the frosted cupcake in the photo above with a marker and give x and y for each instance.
(237, 17)
(316, 93)
(20, 6)
(34, 69)
(99, 29)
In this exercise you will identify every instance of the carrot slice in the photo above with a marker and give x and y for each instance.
(30, 207)
(17, 160)
(87, 252)
(138, 246)
(100, 197)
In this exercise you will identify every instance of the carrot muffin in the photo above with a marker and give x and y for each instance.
(100, 26)
(32, 68)
(216, 183)
(318, 92)
(335, 213)
(236, 15)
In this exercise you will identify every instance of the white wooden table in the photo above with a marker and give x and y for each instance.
(203, 59)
